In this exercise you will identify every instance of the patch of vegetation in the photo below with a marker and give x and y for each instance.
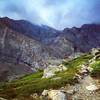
(35, 84)
(96, 69)
(78, 61)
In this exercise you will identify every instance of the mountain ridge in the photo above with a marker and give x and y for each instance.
(31, 45)
(18, 49)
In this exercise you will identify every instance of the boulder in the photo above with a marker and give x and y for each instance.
(57, 95)
(54, 95)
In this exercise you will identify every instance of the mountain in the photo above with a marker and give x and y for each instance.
(85, 38)
(40, 57)
(25, 48)
(34, 31)
(77, 79)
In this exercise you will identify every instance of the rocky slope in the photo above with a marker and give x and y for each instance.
(25, 47)
(19, 54)
(22, 52)
(43, 33)
(86, 37)
(73, 80)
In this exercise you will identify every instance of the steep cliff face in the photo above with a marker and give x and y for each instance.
(19, 50)
(85, 37)
(62, 46)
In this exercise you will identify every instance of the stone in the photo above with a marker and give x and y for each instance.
(90, 69)
(78, 76)
(71, 92)
(92, 87)
(75, 55)
(2, 98)
(45, 92)
(62, 67)
(48, 74)
(57, 95)
(34, 96)
(84, 70)
(94, 51)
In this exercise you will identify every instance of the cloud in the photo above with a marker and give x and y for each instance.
(55, 13)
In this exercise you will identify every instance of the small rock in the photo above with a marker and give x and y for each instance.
(45, 92)
(34, 96)
(78, 76)
(92, 87)
(71, 92)
(94, 51)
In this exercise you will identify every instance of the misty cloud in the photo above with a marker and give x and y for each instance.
(55, 13)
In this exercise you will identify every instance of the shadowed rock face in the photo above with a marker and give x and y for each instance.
(85, 38)
(19, 50)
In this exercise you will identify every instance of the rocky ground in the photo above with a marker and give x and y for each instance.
(76, 79)
(87, 89)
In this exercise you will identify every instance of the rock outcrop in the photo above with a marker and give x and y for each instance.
(51, 69)
(54, 95)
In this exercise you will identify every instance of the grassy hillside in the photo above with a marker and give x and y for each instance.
(34, 83)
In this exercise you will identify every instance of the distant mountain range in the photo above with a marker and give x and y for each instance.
(25, 47)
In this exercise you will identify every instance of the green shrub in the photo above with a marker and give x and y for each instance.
(96, 69)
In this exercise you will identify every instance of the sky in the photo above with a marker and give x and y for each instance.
(55, 13)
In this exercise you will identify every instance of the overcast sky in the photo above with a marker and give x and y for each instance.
(56, 13)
